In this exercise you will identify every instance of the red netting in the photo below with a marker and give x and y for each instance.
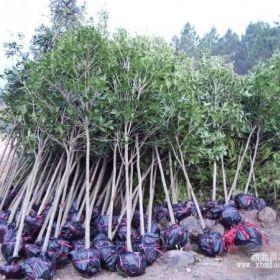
(229, 236)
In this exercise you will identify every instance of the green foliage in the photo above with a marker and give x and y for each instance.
(119, 86)
(66, 14)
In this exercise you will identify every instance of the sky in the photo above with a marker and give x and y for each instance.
(153, 17)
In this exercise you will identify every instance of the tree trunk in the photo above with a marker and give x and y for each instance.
(167, 197)
(111, 207)
(30, 185)
(252, 162)
(214, 181)
(224, 179)
(128, 197)
(51, 184)
(153, 176)
(172, 182)
(189, 186)
(234, 183)
(140, 191)
(88, 210)
(57, 197)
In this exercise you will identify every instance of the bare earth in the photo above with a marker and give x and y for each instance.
(225, 268)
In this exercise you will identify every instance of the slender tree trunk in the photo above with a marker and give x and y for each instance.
(103, 199)
(176, 185)
(134, 197)
(17, 202)
(172, 182)
(98, 184)
(58, 194)
(167, 197)
(128, 197)
(80, 196)
(6, 159)
(5, 150)
(194, 198)
(88, 210)
(189, 186)
(255, 184)
(10, 170)
(70, 196)
(140, 191)
(252, 162)
(111, 207)
(182, 164)
(29, 189)
(40, 189)
(224, 178)
(42, 230)
(214, 181)
(62, 204)
(153, 176)
(119, 181)
(22, 173)
(234, 183)
(38, 184)
(46, 197)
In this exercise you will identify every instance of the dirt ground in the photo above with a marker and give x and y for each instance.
(232, 266)
(225, 268)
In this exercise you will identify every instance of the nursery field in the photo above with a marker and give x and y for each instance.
(126, 157)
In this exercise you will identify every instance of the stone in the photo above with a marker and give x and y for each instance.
(267, 216)
(249, 216)
(193, 226)
(219, 228)
(194, 247)
(177, 258)
(209, 223)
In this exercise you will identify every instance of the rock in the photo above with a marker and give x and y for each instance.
(209, 223)
(177, 258)
(219, 228)
(214, 226)
(193, 226)
(267, 216)
(194, 247)
(249, 216)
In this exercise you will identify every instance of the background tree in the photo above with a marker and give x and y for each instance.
(263, 105)
(209, 42)
(65, 15)
(187, 41)
(257, 44)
